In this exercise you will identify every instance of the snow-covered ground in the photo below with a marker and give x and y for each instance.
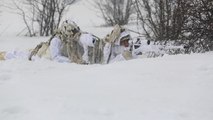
(166, 88)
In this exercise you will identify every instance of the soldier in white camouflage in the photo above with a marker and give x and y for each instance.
(68, 44)
(117, 46)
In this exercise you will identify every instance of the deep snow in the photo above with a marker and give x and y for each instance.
(166, 88)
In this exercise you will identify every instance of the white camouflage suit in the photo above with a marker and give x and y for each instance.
(113, 50)
(55, 49)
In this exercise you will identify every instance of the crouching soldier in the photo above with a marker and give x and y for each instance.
(117, 46)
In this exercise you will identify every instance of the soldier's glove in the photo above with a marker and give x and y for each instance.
(2, 55)
(127, 55)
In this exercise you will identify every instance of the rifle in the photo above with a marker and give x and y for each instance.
(112, 38)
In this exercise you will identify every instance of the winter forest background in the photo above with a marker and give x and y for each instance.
(184, 22)
(172, 80)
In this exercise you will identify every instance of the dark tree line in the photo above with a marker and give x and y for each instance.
(161, 19)
(200, 24)
(186, 21)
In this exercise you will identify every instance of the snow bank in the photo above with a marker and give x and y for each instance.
(166, 88)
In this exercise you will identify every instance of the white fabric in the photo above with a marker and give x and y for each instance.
(55, 51)
(69, 21)
(116, 54)
(116, 50)
(118, 58)
(123, 34)
(55, 47)
(16, 54)
(86, 40)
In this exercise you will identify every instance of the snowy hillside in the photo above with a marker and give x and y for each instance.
(169, 88)
(166, 88)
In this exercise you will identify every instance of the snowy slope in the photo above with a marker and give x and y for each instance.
(168, 88)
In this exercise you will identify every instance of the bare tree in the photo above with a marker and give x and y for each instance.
(47, 14)
(162, 19)
(115, 11)
(27, 18)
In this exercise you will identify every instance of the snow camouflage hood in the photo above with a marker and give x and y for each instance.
(68, 29)
(69, 33)
(124, 35)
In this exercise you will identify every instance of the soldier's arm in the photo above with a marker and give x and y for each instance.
(55, 47)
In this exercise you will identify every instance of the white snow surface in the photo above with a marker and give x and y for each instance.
(176, 87)
(168, 88)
